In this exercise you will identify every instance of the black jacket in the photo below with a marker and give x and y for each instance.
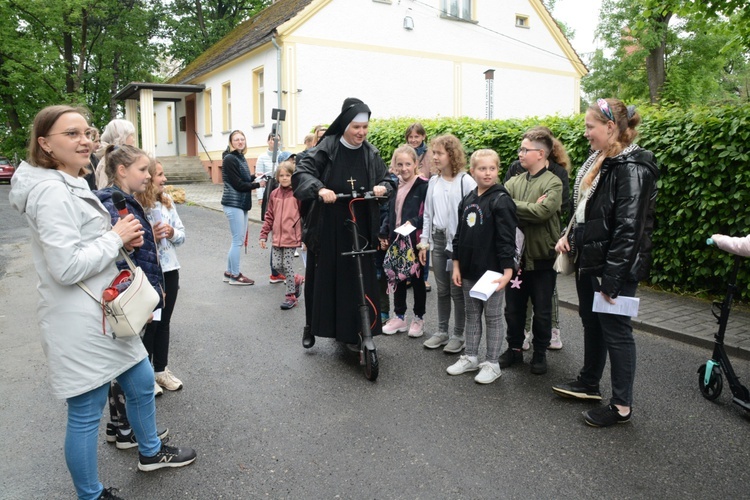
(313, 167)
(486, 234)
(238, 182)
(411, 211)
(146, 256)
(619, 221)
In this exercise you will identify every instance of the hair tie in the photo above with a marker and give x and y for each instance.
(604, 107)
(631, 111)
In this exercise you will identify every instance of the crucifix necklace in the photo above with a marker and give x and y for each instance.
(351, 181)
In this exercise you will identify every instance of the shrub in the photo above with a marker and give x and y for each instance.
(704, 185)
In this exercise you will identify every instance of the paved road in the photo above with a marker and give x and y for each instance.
(270, 419)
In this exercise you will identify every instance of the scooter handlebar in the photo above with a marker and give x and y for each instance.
(367, 195)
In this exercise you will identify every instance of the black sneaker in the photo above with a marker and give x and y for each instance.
(539, 363)
(110, 493)
(168, 456)
(604, 416)
(510, 357)
(127, 441)
(577, 389)
(111, 433)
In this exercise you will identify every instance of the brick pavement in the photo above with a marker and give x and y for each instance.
(686, 319)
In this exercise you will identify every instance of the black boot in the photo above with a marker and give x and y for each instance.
(308, 339)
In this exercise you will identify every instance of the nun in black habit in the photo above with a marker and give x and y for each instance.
(343, 160)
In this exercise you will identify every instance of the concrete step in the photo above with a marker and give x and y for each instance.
(184, 169)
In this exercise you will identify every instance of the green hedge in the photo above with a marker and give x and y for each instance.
(704, 187)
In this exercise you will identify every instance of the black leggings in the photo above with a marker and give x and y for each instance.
(156, 338)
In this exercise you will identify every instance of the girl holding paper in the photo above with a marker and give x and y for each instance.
(485, 241)
(406, 209)
(613, 204)
(169, 233)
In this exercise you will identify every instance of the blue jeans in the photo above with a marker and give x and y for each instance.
(238, 226)
(606, 334)
(84, 416)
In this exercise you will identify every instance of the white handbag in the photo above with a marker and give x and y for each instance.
(128, 302)
(564, 263)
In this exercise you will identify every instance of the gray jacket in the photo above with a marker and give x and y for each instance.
(71, 241)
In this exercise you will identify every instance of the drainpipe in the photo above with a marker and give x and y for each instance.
(278, 75)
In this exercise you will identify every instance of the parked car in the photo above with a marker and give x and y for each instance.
(6, 169)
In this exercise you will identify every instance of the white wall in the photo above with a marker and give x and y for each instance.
(436, 69)
(358, 48)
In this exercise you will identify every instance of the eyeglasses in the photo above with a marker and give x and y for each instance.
(604, 106)
(523, 151)
(75, 135)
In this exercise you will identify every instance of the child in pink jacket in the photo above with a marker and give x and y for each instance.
(283, 220)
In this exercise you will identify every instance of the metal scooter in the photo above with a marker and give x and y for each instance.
(709, 374)
(368, 356)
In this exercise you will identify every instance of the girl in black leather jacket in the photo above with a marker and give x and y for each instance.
(613, 204)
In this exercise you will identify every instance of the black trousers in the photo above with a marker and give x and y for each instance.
(537, 285)
(156, 337)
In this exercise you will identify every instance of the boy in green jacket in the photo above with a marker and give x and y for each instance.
(538, 195)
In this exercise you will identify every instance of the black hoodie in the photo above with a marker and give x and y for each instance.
(486, 235)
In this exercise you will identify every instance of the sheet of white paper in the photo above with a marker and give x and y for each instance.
(484, 288)
(623, 306)
(405, 229)
(157, 315)
(156, 215)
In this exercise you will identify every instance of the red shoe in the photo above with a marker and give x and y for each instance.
(241, 279)
(276, 278)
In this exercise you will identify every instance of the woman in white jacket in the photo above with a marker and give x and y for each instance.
(73, 240)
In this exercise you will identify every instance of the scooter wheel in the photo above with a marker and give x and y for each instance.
(712, 390)
(371, 364)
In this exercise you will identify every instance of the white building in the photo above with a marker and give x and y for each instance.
(417, 58)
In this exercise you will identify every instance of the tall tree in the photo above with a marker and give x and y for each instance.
(667, 50)
(193, 26)
(70, 51)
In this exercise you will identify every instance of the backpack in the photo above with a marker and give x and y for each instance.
(400, 262)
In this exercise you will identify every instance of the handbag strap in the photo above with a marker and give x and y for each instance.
(570, 224)
(127, 259)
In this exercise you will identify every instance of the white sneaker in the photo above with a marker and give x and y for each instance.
(167, 380)
(437, 340)
(416, 329)
(527, 336)
(395, 325)
(555, 343)
(488, 374)
(463, 365)
(158, 391)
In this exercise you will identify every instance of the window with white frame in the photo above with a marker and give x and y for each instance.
(259, 110)
(460, 9)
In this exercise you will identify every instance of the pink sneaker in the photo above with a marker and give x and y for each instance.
(416, 329)
(395, 325)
